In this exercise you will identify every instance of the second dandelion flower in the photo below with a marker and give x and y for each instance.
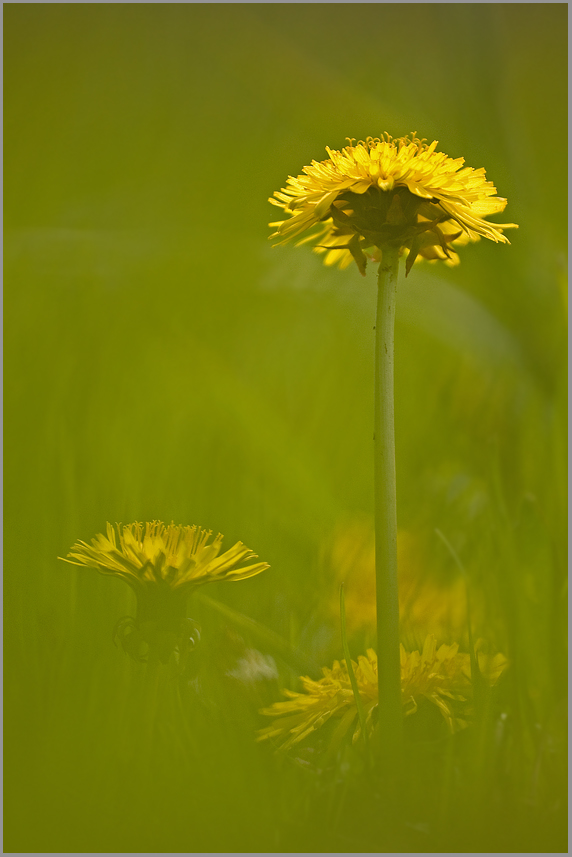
(163, 564)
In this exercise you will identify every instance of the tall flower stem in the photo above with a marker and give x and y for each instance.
(389, 670)
(151, 685)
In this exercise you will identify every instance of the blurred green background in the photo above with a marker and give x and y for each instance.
(164, 361)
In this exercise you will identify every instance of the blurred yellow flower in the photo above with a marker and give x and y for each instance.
(425, 604)
(388, 191)
(162, 564)
(440, 675)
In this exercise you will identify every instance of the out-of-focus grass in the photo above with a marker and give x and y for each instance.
(163, 361)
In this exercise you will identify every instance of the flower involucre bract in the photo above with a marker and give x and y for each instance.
(440, 675)
(385, 191)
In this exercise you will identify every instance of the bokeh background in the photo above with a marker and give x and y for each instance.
(164, 361)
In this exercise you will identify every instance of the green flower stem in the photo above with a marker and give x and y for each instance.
(152, 681)
(388, 662)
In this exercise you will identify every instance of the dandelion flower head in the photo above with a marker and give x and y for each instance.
(163, 564)
(426, 604)
(386, 191)
(440, 675)
(169, 556)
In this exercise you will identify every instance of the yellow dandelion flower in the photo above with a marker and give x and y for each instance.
(441, 675)
(330, 696)
(385, 191)
(163, 564)
(425, 603)
(155, 554)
